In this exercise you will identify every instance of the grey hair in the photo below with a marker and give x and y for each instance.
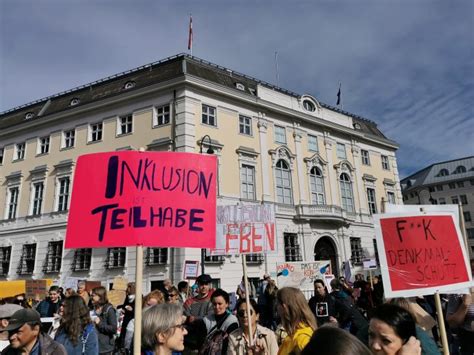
(159, 318)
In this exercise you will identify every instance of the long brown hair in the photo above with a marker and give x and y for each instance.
(75, 318)
(295, 310)
(102, 293)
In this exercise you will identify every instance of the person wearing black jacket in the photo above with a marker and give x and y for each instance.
(128, 310)
(105, 320)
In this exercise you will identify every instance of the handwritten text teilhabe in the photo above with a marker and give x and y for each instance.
(160, 199)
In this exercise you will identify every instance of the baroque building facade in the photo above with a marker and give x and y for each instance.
(325, 170)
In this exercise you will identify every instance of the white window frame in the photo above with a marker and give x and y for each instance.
(20, 151)
(371, 200)
(68, 139)
(313, 143)
(13, 199)
(347, 194)
(389, 199)
(385, 162)
(208, 118)
(60, 195)
(317, 186)
(357, 252)
(2, 155)
(37, 198)
(341, 151)
(245, 125)
(283, 183)
(162, 115)
(365, 156)
(125, 125)
(280, 134)
(43, 145)
(247, 179)
(96, 129)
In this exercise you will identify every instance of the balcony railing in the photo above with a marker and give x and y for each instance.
(327, 212)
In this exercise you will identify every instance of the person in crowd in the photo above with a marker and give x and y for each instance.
(460, 314)
(50, 306)
(334, 341)
(6, 311)
(81, 291)
(269, 307)
(77, 332)
(154, 297)
(105, 320)
(61, 293)
(241, 290)
(56, 322)
(346, 287)
(296, 318)
(183, 288)
(25, 336)
(199, 306)
(264, 340)
(127, 309)
(219, 324)
(389, 329)
(22, 301)
(167, 284)
(173, 295)
(377, 293)
(69, 292)
(162, 329)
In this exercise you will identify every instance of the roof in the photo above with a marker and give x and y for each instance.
(150, 74)
(433, 174)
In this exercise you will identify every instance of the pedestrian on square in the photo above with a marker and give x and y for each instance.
(81, 291)
(297, 320)
(50, 306)
(105, 320)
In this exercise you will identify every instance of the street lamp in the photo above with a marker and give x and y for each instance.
(209, 151)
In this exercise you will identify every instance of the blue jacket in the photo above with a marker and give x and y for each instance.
(88, 342)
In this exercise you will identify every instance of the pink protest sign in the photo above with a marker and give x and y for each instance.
(156, 199)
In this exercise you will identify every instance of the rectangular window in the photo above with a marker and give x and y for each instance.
(53, 257)
(38, 189)
(372, 201)
(209, 115)
(2, 152)
(13, 202)
(115, 258)
(365, 157)
(313, 143)
(82, 259)
(470, 233)
(213, 259)
(472, 182)
(431, 189)
(280, 135)
(292, 247)
(460, 183)
(391, 197)
(442, 201)
(162, 115)
(467, 216)
(125, 124)
(463, 199)
(452, 185)
(341, 151)
(95, 132)
(254, 258)
(20, 151)
(156, 256)
(63, 193)
(385, 163)
(439, 187)
(69, 138)
(43, 145)
(247, 181)
(5, 255)
(454, 200)
(357, 253)
(245, 125)
(27, 260)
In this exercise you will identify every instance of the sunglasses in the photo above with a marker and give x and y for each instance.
(242, 313)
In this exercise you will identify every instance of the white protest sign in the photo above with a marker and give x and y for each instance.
(302, 274)
(369, 263)
(191, 269)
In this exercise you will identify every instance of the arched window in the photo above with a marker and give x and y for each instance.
(283, 183)
(346, 192)
(317, 186)
(460, 169)
(443, 172)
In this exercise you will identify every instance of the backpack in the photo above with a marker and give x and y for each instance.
(216, 341)
(85, 336)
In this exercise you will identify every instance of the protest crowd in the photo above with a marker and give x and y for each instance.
(340, 318)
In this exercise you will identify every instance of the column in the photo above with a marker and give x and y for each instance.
(185, 126)
(262, 124)
(332, 178)
(298, 135)
(363, 204)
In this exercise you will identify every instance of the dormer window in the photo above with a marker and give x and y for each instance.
(240, 86)
(29, 115)
(75, 101)
(443, 172)
(129, 85)
(309, 106)
(357, 126)
(460, 169)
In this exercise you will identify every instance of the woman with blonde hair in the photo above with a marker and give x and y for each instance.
(296, 318)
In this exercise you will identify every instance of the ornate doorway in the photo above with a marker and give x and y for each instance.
(325, 250)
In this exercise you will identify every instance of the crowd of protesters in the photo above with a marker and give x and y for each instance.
(348, 318)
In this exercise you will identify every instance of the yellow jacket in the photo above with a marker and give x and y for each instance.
(293, 345)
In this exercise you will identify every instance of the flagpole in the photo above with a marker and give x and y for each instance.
(190, 35)
(276, 69)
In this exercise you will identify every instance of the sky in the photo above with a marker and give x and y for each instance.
(407, 65)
